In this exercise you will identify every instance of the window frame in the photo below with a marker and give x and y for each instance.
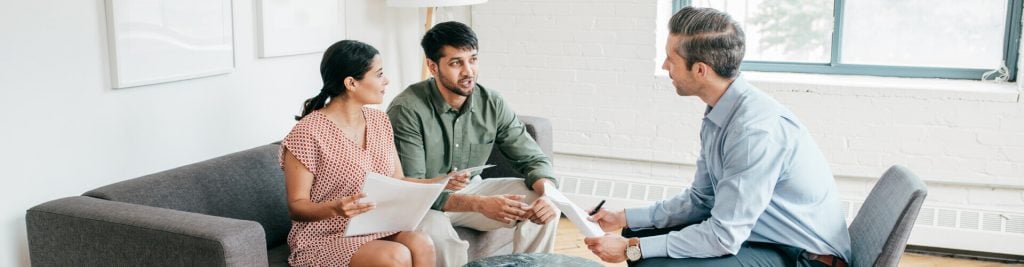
(1011, 50)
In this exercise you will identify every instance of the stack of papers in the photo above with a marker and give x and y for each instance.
(401, 205)
(575, 214)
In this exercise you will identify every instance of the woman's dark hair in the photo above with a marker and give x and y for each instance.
(451, 33)
(346, 58)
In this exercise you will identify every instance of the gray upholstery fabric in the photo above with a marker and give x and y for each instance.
(247, 185)
(538, 128)
(227, 211)
(499, 242)
(278, 256)
(880, 231)
(85, 231)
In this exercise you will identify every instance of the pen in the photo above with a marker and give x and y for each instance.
(597, 208)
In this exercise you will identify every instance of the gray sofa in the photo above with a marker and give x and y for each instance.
(226, 211)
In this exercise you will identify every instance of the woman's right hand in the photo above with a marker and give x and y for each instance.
(458, 180)
(349, 206)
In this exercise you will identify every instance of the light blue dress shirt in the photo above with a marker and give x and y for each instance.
(760, 177)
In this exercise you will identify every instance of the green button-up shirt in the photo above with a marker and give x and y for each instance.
(432, 137)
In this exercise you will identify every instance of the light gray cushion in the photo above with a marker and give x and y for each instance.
(880, 231)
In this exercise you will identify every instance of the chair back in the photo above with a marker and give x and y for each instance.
(880, 231)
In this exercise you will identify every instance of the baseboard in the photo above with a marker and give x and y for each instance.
(966, 254)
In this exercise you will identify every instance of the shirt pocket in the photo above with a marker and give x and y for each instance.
(479, 153)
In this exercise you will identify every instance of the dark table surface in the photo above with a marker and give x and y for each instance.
(533, 259)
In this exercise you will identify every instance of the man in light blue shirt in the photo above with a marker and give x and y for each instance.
(763, 193)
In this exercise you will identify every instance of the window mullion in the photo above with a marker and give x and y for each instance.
(1011, 43)
(679, 4)
(837, 32)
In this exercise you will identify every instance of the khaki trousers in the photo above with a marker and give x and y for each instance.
(453, 251)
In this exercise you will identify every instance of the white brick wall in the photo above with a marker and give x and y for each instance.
(588, 66)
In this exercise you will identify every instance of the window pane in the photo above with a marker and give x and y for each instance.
(782, 30)
(924, 33)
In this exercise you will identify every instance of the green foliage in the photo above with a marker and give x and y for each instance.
(795, 26)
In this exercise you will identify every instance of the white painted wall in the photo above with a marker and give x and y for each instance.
(65, 131)
(588, 64)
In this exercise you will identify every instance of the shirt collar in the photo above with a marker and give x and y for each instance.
(726, 105)
(442, 106)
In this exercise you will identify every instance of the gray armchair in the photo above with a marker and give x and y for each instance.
(226, 211)
(880, 231)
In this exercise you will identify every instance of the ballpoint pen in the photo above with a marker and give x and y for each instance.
(597, 208)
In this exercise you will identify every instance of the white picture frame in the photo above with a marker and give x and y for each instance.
(295, 27)
(157, 41)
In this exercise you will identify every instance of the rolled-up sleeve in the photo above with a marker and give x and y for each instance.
(519, 148)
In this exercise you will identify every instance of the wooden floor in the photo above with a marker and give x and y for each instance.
(570, 242)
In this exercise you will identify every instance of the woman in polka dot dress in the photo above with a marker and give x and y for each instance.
(326, 157)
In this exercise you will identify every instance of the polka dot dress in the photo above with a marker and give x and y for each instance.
(339, 167)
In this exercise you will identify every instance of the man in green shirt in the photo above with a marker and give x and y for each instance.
(448, 123)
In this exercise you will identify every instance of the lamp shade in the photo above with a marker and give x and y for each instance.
(433, 3)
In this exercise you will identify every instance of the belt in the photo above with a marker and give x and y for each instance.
(828, 260)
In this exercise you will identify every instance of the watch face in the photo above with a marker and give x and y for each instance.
(633, 253)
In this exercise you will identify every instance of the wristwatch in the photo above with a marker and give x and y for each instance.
(633, 250)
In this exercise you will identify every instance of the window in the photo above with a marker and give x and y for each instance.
(907, 38)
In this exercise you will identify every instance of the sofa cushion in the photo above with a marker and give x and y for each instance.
(247, 185)
(278, 256)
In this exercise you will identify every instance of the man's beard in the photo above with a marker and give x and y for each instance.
(452, 87)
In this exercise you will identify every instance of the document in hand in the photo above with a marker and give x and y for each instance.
(475, 180)
(400, 206)
(575, 214)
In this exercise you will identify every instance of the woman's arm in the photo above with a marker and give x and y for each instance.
(458, 181)
(299, 182)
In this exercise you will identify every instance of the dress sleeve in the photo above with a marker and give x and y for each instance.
(301, 141)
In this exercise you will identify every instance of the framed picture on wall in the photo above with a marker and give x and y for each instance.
(294, 27)
(156, 41)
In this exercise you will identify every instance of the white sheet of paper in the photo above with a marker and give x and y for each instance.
(477, 168)
(575, 214)
(400, 206)
(475, 180)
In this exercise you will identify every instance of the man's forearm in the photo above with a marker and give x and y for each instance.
(461, 203)
(538, 185)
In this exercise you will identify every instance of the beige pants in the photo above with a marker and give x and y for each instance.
(453, 251)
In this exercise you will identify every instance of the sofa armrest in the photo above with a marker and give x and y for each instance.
(540, 129)
(77, 231)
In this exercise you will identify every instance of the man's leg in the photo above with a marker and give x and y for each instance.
(750, 254)
(449, 248)
(534, 238)
(529, 237)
